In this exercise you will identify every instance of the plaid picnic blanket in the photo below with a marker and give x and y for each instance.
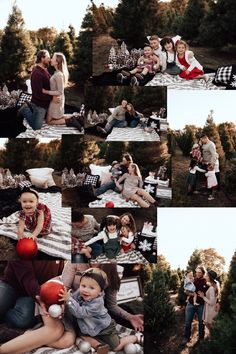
(58, 242)
(132, 134)
(116, 198)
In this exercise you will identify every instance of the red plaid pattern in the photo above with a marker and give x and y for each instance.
(31, 221)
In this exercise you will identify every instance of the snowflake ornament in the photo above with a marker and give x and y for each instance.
(145, 246)
(153, 125)
(149, 188)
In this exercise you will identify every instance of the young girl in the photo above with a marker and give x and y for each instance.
(34, 216)
(126, 238)
(110, 237)
(58, 81)
(170, 64)
(211, 180)
(196, 153)
(89, 315)
(191, 68)
(132, 188)
(192, 178)
(147, 63)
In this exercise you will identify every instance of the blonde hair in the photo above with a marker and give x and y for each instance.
(180, 41)
(136, 169)
(62, 66)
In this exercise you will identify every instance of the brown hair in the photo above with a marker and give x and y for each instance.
(132, 111)
(166, 40)
(62, 66)
(41, 54)
(131, 224)
(128, 157)
(180, 41)
(136, 169)
(154, 38)
(112, 275)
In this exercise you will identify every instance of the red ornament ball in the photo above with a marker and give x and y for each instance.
(49, 292)
(109, 205)
(26, 248)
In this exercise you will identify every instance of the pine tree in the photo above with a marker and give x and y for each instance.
(192, 17)
(83, 53)
(28, 157)
(131, 24)
(71, 152)
(63, 45)
(17, 51)
(186, 139)
(72, 35)
(174, 283)
(227, 132)
(159, 314)
(46, 37)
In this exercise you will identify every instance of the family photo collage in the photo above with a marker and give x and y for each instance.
(117, 177)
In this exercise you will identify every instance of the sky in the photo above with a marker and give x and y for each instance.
(47, 13)
(193, 107)
(182, 230)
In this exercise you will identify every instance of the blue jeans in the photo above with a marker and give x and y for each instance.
(103, 188)
(134, 123)
(16, 311)
(189, 315)
(36, 118)
(115, 123)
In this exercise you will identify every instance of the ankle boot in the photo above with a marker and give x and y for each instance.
(72, 122)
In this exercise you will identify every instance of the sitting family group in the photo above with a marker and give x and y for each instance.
(203, 299)
(82, 302)
(122, 116)
(168, 55)
(48, 98)
(204, 159)
(128, 182)
(113, 236)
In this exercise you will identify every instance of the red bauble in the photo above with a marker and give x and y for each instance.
(109, 205)
(49, 292)
(26, 248)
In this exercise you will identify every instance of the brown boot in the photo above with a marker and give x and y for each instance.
(73, 122)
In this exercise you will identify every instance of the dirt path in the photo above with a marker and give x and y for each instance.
(180, 165)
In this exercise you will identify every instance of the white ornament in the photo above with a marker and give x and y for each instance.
(145, 246)
(55, 311)
(149, 188)
(153, 125)
(84, 346)
(130, 349)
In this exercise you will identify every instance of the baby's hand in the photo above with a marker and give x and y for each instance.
(64, 295)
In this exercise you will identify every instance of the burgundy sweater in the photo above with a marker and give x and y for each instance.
(40, 79)
(27, 276)
(201, 285)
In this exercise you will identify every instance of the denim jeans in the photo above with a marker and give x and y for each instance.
(36, 118)
(189, 315)
(16, 311)
(103, 188)
(115, 123)
(134, 122)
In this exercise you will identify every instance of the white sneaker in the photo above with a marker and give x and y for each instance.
(210, 197)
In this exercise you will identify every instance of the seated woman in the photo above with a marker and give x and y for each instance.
(55, 333)
(132, 188)
(131, 116)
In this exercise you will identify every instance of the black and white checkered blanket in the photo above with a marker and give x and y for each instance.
(58, 242)
(132, 134)
(47, 131)
(175, 82)
(122, 331)
(129, 257)
(116, 198)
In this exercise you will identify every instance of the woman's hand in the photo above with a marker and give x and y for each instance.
(43, 306)
(137, 322)
(45, 91)
(201, 294)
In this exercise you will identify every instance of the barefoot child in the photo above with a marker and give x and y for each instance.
(34, 217)
(90, 316)
(147, 63)
(189, 286)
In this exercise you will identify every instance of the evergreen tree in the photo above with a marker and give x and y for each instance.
(192, 17)
(210, 129)
(131, 24)
(17, 51)
(186, 139)
(28, 157)
(230, 176)
(83, 53)
(218, 26)
(71, 152)
(72, 35)
(174, 282)
(63, 45)
(46, 37)
(159, 314)
(227, 132)
(229, 287)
